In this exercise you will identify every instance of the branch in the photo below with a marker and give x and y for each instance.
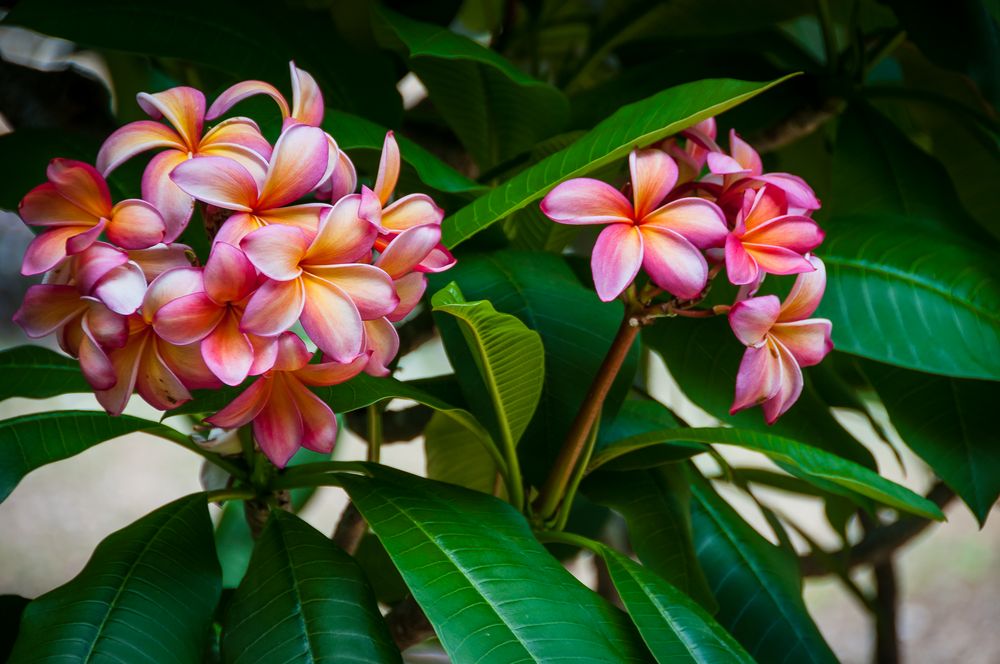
(350, 529)
(408, 624)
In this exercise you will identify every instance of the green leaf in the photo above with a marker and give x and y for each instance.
(356, 133)
(34, 148)
(491, 591)
(455, 456)
(904, 295)
(31, 441)
(675, 628)
(146, 595)
(496, 110)
(949, 423)
(303, 599)
(508, 355)
(576, 330)
(233, 543)
(634, 126)
(703, 356)
(225, 36)
(656, 505)
(34, 372)
(756, 583)
(634, 440)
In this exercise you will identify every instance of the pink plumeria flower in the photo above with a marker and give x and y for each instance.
(403, 214)
(780, 338)
(665, 240)
(75, 206)
(212, 316)
(767, 239)
(690, 158)
(285, 413)
(317, 279)
(161, 372)
(184, 109)
(306, 108)
(298, 164)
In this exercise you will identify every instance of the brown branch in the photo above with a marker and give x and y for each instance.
(258, 510)
(408, 624)
(885, 605)
(350, 529)
(798, 125)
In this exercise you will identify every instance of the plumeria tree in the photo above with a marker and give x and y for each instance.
(585, 193)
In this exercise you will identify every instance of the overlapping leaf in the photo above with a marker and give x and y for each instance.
(38, 373)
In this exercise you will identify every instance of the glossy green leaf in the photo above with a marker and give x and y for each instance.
(576, 330)
(303, 599)
(496, 110)
(904, 295)
(627, 442)
(674, 628)
(146, 595)
(38, 373)
(703, 356)
(634, 126)
(455, 456)
(949, 423)
(656, 505)
(756, 583)
(491, 591)
(31, 441)
(508, 355)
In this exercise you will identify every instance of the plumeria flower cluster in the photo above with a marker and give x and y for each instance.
(295, 247)
(692, 211)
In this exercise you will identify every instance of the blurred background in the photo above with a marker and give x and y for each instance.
(949, 574)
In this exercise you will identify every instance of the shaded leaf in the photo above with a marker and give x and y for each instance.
(38, 373)
(455, 456)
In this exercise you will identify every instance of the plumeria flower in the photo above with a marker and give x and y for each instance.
(664, 240)
(767, 239)
(298, 164)
(285, 413)
(405, 213)
(780, 338)
(316, 279)
(184, 109)
(306, 108)
(161, 372)
(691, 157)
(75, 206)
(212, 316)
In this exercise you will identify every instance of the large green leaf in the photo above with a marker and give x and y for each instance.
(703, 356)
(675, 628)
(146, 595)
(225, 36)
(31, 441)
(507, 354)
(627, 442)
(949, 423)
(303, 599)
(902, 294)
(491, 591)
(656, 506)
(576, 329)
(38, 373)
(634, 126)
(756, 583)
(496, 110)
(455, 456)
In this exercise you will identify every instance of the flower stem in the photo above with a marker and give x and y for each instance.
(576, 440)
(223, 495)
(375, 432)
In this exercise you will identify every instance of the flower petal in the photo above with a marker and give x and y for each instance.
(369, 288)
(245, 407)
(741, 268)
(135, 138)
(319, 424)
(187, 319)
(305, 216)
(807, 340)
(673, 263)
(276, 251)
(405, 251)
(806, 293)
(169, 286)
(722, 164)
(157, 260)
(229, 275)
(439, 260)
(244, 90)
(331, 373)
(654, 174)
(409, 289)
(698, 221)
(297, 165)
(745, 155)
(48, 249)
(125, 361)
(758, 378)
(331, 320)
(94, 362)
(173, 203)
(800, 195)
(586, 201)
(307, 100)
(237, 227)
(47, 307)
(265, 352)
(388, 169)
(382, 342)
(343, 180)
(81, 241)
(752, 319)
(122, 288)
(182, 107)
(292, 353)
(795, 232)
(616, 259)
(777, 260)
(45, 206)
(790, 389)
(273, 308)
(277, 428)
(81, 184)
(219, 181)
(227, 351)
(108, 328)
(342, 236)
(409, 211)
(95, 262)
(135, 224)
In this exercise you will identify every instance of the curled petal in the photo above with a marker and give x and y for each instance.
(169, 286)
(409, 289)
(388, 169)
(331, 373)
(108, 329)
(331, 320)
(763, 205)
(673, 263)
(245, 407)
(722, 164)
(277, 428)
(382, 342)
(292, 353)
(369, 288)
(700, 222)
(94, 362)
(125, 361)
(135, 224)
(586, 201)
(806, 293)
(45, 206)
(48, 249)
(777, 260)
(752, 319)
(370, 209)
(305, 216)
(741, 268)
(758, 379)
(616, 259)
(121, 289)
(244, 90)
(790, 387)
(91, 265)
(654, 174)
(405, 251)
(135, 138)
(227, 351)
(409, 211)
(237, 227)
(81, 184)
(173, 203)
(265, 352)
(46, 308)
(157, 260)
(187, 319)
(81, 241)
(342, 236)
(273, 308)
(745, 155)
(800, 195)
(319, 424)
(307, 100)
(182, 107)
(276, 251)
(229, 275)
(795, 232)
(807, 340)
(439, 260)
(343, 180)
(297, 165)
(219, 181)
